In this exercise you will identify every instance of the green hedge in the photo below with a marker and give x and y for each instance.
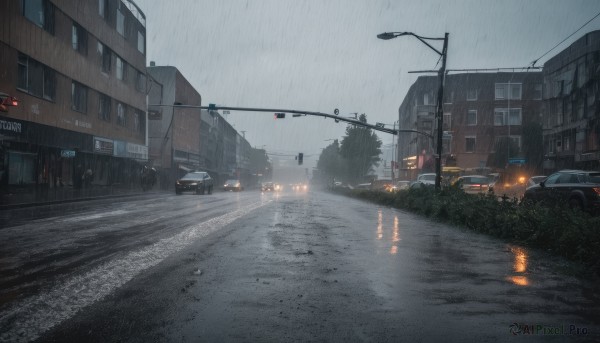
(560, 230)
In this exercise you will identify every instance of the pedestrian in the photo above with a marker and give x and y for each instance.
(87, 178)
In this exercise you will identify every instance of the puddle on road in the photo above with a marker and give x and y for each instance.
(519, 266)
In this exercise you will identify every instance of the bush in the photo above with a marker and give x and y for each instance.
(559, 229)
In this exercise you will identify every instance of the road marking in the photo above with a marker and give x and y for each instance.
(95, 216)
(29, 319)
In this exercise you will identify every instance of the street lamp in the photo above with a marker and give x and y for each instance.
(441, 75)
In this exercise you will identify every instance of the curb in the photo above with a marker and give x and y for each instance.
(65, 201)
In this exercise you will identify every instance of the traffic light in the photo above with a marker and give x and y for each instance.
(7, 100)
(300, 158)
(279, 115)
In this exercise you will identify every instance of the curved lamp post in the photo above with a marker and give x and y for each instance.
(441, 75)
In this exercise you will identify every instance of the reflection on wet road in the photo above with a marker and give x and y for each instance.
(255, 266)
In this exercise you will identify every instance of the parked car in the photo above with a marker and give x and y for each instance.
(427, 179)
(534, 180)
(233, 185)
(580, 189)
(473, 184)
(198, 182)
(400, 185)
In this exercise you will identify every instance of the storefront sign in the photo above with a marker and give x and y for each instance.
(67, 153)
(103, 146)
(137, 151)
(8, 126)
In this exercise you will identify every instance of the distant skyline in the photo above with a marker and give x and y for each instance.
(321, 55)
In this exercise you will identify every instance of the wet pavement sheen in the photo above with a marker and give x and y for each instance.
(293, 267)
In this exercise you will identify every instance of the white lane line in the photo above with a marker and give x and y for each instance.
(95, 216)
(29, 319)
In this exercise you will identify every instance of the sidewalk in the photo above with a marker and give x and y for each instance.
(31, 197)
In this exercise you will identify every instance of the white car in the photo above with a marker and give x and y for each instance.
(426, 179)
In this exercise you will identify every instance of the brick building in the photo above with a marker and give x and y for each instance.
(78, 71)
(479, 110)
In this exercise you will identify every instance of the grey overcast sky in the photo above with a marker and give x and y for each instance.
(318, 55)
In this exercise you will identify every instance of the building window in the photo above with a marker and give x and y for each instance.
(505, 91)
(79, 39)
(104, 107)
(102, 6)
(39, 12)
(140, 121)
(472, 118)
(448, 97)
(472, 95)
(501, 116)
(105, 56)
(427, 99)
(141, 43)
(470, 144)
(537, 91)
(121, 114)
(447, 121)
(426, 125)
(120, 20)
(140, 83)
(121, 69)
(35, 78)
(78, 97)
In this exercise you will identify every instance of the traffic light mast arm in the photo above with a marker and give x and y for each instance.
(309, 113)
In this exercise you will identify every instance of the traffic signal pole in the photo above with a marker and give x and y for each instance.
(211, 107)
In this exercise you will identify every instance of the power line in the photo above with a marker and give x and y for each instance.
(571, 35)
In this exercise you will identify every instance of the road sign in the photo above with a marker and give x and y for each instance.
(225, 112)
(516, 161)
(336, 112)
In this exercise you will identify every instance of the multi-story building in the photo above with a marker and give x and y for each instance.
(480, 109)
(173, 132)
(78, 71)
(571, 123)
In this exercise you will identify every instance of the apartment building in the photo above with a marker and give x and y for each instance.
(571, 122)
(77, 68)
(480, 110)
(174, 133)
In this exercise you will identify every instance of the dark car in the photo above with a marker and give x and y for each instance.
(268, 186)
(580, 189)
(233, 185)
(198, 182)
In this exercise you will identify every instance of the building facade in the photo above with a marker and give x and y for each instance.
(173, 132)
(78, 71)
(571, 122)
(480, 110)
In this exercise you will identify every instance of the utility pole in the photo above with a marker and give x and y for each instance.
(440, 116)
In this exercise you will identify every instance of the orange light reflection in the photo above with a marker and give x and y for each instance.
(379, 225)
(519, 266)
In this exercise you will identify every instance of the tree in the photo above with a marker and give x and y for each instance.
(361, 149)
(331, 164)
(504, 149)
(533, 145)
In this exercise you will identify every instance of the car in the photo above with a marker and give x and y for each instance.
(233, 185)
(578, 188)
(534, 180)
(268, 186)
(473, 184)
(427, 179)
(198, 182)
(300, 187)
(400, 185)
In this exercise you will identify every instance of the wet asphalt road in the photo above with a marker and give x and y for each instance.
(275, 267)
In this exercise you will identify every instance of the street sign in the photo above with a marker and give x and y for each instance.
(516, 161)
(67, 153)
(225, 112)
(336, 112)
